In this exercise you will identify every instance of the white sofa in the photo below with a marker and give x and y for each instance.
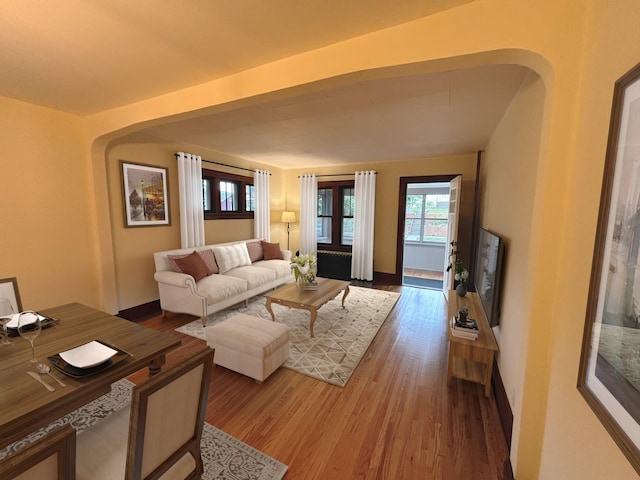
(181, 293)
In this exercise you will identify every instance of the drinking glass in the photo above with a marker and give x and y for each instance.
(6, 313)
(29, 327)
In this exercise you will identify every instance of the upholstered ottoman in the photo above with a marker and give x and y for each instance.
(249, 345)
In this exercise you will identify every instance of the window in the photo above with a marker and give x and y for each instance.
(335, 215)
(223, 195)
(325, 214)
(228, 196)
(250, 198)
(426, 218)
(348, 205)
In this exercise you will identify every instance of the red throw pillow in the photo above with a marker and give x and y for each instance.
(193, 265)
(271, 251)
(207, 255)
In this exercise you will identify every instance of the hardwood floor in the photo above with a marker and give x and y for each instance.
(395, 419)
(430, 274)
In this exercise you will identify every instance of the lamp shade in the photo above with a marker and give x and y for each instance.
(288, 217)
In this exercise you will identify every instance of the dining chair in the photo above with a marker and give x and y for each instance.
(158, 436)
(52, 457)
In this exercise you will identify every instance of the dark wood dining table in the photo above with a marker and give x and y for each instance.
(26, 406)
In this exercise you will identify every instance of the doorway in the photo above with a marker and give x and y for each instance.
(423, 230)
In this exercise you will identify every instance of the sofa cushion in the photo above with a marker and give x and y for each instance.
(218, 288)
(255, 251)
(231, 256)
(282, 268)
(271, 251)
(254, 276)
(207, 255)
(193, 265)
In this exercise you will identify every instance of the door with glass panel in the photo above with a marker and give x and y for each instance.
(425, 234)
(452, 231)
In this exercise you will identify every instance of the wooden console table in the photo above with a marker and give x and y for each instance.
(471, 359)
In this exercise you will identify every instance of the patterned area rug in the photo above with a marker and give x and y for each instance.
(342, 336)
(224, 457)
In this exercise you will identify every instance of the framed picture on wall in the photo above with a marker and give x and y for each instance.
(9, 290)
(146, 195)
(609, 374)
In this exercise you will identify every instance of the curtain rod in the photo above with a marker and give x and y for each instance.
(338, 174)
(226, 165)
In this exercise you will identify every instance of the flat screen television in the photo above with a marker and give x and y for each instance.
(488, 274)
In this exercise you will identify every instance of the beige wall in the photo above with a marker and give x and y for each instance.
(133, 247)
(387, 198)
(571, 429)
(577, 48)
(508, 187)
(548, 37)
(46, 206)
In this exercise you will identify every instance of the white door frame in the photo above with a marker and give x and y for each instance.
(452, 233)
(397, 277)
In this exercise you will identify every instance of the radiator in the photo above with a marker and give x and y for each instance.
(335, 265)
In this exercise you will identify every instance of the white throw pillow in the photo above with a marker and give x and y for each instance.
(232, 256)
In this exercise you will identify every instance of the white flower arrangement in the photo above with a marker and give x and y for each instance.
(303, 267)
(461, 273)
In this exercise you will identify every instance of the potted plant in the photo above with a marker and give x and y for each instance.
(463, 314)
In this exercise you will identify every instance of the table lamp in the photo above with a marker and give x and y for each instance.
(288, 218)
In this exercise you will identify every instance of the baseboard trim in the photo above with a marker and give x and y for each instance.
(502, 402)
(504, 413)
(387, 278)
(140, 312)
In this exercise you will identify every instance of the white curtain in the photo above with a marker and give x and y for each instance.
(308, 213)
(364, 197)
(261, 214)
(191, 205)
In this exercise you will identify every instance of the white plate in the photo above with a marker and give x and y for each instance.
(88, 355)
(13, 323)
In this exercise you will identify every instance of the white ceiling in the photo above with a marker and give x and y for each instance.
(87, 56)
(398, 118)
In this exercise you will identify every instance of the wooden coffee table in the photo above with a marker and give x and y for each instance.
(293, 296)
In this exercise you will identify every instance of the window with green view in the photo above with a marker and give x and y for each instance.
(426, 218)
